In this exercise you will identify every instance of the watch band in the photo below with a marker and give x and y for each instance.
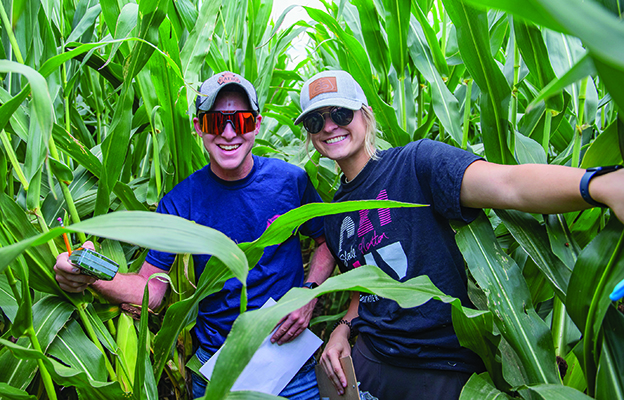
(310, 285)
(590, 174)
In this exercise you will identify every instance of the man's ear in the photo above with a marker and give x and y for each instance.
(258, 121)
(196, 126)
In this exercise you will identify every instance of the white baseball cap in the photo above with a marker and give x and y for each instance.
(331, 88)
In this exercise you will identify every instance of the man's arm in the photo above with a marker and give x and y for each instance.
(322, 263)
(538, 188)
(321, 267)
(124, 288)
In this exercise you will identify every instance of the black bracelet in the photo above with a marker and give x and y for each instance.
(345, 322)
(588, 176)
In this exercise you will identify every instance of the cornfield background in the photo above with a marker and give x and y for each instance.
(97, 101)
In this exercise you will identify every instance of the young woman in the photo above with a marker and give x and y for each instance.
(414, 353)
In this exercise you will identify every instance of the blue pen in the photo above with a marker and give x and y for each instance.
(618, 291)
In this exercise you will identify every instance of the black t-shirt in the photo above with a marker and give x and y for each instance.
(405, 243)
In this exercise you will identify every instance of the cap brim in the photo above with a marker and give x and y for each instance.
(332, 102)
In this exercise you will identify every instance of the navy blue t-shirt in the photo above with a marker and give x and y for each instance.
(405, 243)
(243, 210)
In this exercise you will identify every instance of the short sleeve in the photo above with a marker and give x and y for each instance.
(313, 227)
(161, 259)
(440, 169)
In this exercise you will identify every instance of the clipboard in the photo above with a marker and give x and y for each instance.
(327, 390)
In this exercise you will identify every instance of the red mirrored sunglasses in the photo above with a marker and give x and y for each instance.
(213, 122)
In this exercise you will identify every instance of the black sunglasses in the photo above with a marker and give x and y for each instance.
(315, 121)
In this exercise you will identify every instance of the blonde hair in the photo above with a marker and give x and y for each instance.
(371, 131)
(370, 127)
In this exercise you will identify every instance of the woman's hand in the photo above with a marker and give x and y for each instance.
(337, 347)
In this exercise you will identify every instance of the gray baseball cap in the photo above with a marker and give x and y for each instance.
(212, 86)
(331, 88)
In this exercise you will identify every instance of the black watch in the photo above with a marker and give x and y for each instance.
(310, 285)
(591, 173)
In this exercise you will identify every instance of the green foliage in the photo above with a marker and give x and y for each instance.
(95, 119)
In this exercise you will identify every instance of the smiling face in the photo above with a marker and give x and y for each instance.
(230, 152)
(344, 144)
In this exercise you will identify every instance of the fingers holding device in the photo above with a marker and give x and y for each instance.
(94, 264)
(75, 270)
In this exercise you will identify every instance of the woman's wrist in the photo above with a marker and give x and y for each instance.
(606, 187)
(343, 328)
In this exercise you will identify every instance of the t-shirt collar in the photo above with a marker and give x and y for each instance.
(240, 182)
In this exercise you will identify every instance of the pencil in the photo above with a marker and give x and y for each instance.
(65, 238)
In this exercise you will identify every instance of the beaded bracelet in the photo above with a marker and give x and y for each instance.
(347, 323)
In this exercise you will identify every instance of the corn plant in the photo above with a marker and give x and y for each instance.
(96, 102)
(95, 117)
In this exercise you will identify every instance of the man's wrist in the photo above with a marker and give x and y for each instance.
(310, 285)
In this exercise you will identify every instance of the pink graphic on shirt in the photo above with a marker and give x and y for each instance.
(373, 242)
(356, 264)
(366, 225)
(270, 221)
(384, 213)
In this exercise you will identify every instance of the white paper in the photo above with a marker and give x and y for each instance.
(272, 366)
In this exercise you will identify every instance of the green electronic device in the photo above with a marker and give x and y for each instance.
(94, 264)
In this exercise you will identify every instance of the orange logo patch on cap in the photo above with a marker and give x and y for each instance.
(323, 85)
(228, 77)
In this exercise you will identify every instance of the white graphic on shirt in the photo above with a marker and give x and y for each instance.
(393, 255)
(347, 227)
(369, 298)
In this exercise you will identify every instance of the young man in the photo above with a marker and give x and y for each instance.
(240, 195)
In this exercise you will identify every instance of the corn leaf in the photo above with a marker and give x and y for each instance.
(509, 300)
(605, 150)
(397, 16)
(74, 348)
(481, 387)
(49, 316)
(445, 104)
(534, 239)
(473, 40)
(598, 269)
(610, 377)
(376, 46)
(11, 393)
(535, 55)
(151, 15)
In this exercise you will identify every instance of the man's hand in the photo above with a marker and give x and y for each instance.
(337, 347)
(293, 324)
(68, 276)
